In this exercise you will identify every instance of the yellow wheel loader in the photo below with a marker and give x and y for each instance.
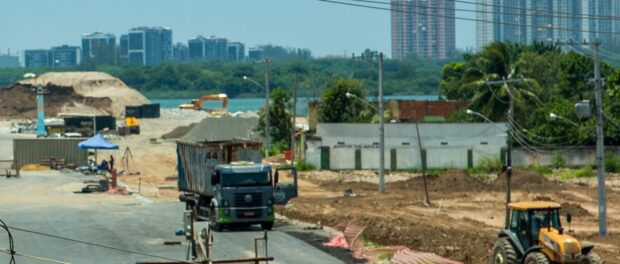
(536, 236)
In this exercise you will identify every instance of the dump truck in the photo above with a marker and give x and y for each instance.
(225, 183)
(535, 236)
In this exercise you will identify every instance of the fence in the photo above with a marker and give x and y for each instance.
(31, 151)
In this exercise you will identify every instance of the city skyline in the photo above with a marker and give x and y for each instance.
(251, 23)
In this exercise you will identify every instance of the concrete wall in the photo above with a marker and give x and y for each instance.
(446, 145)
(572, 156)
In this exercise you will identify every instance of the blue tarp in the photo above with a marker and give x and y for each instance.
(97, 142)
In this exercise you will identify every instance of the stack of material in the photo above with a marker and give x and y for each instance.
(223, 128)
(94, 84)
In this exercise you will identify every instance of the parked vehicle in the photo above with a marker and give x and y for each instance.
(225, 183)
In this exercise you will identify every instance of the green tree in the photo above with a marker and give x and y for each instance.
(279, 118)
(337, 107)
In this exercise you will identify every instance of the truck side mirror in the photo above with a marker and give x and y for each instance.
(276, 177)
(569, 217)
(215, 179)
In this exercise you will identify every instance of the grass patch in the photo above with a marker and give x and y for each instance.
(541, 169)
(583, 172)
(612, 162)
(303, 165)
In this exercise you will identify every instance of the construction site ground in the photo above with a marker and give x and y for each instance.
(461, 223)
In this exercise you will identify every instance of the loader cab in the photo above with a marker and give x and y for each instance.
(528, 218)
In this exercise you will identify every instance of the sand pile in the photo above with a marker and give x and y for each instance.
(94, 84)
(18, 101)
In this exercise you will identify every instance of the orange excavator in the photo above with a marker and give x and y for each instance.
(196, 104)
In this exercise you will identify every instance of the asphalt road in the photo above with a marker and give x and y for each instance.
(45, 202)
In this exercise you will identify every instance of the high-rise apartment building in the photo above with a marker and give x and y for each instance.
(98, 43)
(501, 20)
(236, 51)
(123, 43)
(213, 48)
(65, 56)
(149, 46)
(37, 58)
(424, 28)
(526, 21)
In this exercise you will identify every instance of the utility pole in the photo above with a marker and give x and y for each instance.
(381, 129)
(509, 117)
(294, 113)
(267, 63)
(600, 137)
(373, 56)
(600, 143)
(427, 199)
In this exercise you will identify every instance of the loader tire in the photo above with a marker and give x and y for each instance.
(592, 258)
(503, 252)
(536, 258)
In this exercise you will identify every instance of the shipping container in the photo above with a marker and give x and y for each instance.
(133, 111)
(196, 161)
(75, 123)
(31, 151)
(150, 110)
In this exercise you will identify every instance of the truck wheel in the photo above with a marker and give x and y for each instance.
(592, 258)
(536, 258)
(267, 225)
(503, 252)
(215, 226)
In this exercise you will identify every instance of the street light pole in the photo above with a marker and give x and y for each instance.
(267, 132)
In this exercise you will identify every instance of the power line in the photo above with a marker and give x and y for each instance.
(466, 19)
(535, 14)
(11, 250)
(97, 245)
(13, 253)
(581, 15)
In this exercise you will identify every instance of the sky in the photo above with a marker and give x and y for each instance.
(326, 29)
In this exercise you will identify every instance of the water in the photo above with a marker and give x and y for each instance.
(253, 104)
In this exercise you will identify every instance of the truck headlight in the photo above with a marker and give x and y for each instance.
(269, 210)
(225, 203)
(270, 202)
(227, 212)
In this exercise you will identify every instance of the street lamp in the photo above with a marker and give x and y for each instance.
(508, 161)
(267, 134)
(350, 95)
(554, 117)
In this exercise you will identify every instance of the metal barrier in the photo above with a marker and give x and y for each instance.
(9, 168)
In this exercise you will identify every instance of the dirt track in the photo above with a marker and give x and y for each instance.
(464, 217)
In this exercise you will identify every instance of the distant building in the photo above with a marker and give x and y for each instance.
(202, 48)
(98, 43)
(255, 53)
(124, 47)
(37, 58)
(424, 28)
(564, 23)
(65, 56)
(236, 51)
(181, 53)
(9, 61)
(149, 46)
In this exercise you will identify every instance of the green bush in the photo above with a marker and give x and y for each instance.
(612, 162)
(583, 172)
(558, 161)
(488, 165)
(541, 169)
(303, 165)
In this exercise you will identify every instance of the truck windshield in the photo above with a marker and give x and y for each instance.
(246, 179)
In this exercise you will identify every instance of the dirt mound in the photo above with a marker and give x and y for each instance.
(451, 181)
(179, 132)
(94, 84)
(19, 101)
(526, 180)
(575, 209)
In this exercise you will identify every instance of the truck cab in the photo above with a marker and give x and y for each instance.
(245, 194)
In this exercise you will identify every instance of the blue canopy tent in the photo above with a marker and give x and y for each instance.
(97, 142)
